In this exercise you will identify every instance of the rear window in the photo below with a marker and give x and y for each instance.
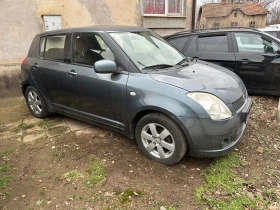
(55, 47)
(179, 42)
(217, 44)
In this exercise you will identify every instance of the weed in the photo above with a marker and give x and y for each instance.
(72, 175)
(96, 172)
(42, 193)
(6, 152)
(38, 172)
(4, 168)
(39, 202)
(127, 195)
(78, 197)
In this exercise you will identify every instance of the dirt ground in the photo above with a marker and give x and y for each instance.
(59, 163)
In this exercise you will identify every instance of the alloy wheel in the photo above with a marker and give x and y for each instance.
(157, 140)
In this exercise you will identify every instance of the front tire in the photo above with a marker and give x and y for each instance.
(161, 139)
(36, 103)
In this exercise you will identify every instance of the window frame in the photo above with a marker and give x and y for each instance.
(230, 49)
(235, 45)
(166, 13)
(71, 49)
(39, 47)
(65, 47)
(252, 23)
(235, 14)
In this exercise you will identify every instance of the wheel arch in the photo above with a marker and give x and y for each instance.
(140, 114)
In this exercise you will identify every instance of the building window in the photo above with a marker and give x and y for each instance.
(52, 22)
(216, 25)
(235, 14)
(252, 24)
(163, 7)
(234, 23)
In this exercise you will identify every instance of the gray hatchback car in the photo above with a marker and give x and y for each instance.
(132, 81)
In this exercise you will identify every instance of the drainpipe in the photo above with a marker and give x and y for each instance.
(193, 13)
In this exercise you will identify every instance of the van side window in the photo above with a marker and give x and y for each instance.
(89, 48)
(42, 46)
(55, 47)
(218, 44)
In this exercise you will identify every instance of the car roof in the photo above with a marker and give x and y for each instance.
(212, 30)
(98, 28)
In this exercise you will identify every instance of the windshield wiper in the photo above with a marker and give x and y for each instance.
(184, 60)
(158, 66)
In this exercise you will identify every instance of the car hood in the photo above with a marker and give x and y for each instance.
(204, 77)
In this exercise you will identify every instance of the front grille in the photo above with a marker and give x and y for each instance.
(238, 103)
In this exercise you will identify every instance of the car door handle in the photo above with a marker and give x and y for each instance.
(72, 73)
(244, 61)
(35, 65)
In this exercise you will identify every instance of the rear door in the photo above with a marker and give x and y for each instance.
(215, 48)
(48, 70)
(256, 66)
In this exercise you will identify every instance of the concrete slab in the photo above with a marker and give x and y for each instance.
(33, 137)
(76, 125)
(30, 120)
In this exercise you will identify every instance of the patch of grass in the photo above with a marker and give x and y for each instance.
(127, 195)
(42, 193)
(4, 167)
(6, 152)
(96, 172)
(72, 175)
(5, 180)
(224, 189)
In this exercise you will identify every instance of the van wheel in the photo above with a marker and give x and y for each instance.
(161, 139)
(36, 103)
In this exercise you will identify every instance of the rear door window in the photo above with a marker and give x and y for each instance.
(217, 43)
(55, 47)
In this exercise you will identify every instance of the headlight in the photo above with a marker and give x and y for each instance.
(215, 107)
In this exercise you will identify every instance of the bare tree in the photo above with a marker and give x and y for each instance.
(274, 13)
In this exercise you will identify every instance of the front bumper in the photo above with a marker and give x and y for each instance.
(209, 138)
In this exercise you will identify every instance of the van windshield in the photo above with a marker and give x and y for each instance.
(147, 51)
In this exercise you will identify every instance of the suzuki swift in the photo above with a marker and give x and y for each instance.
(132, 81)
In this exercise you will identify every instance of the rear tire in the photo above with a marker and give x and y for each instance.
(36, 103)
(161, 139)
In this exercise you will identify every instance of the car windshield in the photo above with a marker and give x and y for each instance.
(147, 51)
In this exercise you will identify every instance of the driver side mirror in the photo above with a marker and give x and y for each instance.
(278, 50)
(106, 66)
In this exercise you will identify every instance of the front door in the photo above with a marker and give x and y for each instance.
(256, 64)
(101, 97)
